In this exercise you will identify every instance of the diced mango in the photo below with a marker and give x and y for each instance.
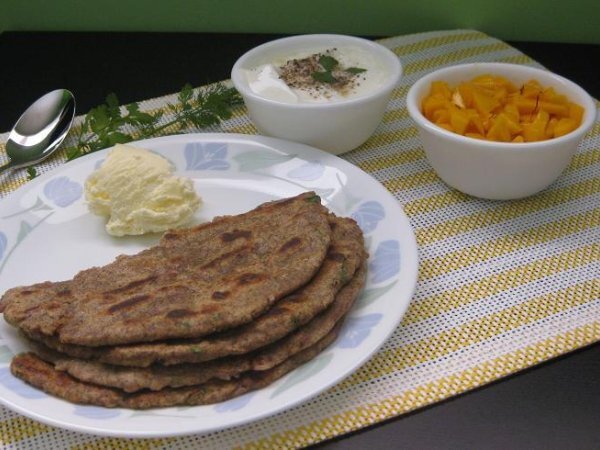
(475, 135)
(536, 130)
(459, 119)
(446, 126)
(441, 115)
(493, 83)
(575, 112)
(550, 127)
(526, 105)
(432, 104)
(501, 95)
(556, 109)
(531, 89)
(513, 112)
(491, 107)
(483, 103)
(466, 93)
(441, 88)
(499, 130)
(475, 122)
(550, 95)
(564, 126)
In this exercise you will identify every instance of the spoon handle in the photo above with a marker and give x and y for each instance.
(7, 166)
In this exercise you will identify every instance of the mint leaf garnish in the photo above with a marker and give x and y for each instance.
(355, 70)
(324, 77)
(328, 62)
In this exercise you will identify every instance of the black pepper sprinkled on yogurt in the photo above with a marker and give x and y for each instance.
(320, 73)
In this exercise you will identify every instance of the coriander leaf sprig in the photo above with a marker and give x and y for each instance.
(329, 64)
(107, 124)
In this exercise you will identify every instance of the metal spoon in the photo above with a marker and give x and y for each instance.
(40, 129)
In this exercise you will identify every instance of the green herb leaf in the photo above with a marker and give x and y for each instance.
(31, 173)
(112, 101)
(109, 124)
(116, 137)
(355, 70)
(328, 62)
(324, 77)
(186, 93)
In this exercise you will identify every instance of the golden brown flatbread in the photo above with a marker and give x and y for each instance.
(193, 283)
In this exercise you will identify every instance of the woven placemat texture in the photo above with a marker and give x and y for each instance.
(503, 285)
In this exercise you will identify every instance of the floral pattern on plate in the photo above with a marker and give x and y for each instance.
(206, 156)
(356, 330)
(265, 165)
(62, 191)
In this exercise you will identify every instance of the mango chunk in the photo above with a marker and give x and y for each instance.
(564, 126)
(491, 107)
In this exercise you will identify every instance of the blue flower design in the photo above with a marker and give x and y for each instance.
(386, 262)
(309, 171)
(96, 412)
(17, 386)
(206, 156)
(62, 191)
(3, 244)
(235, 403)
(357, 329)
(368, 215)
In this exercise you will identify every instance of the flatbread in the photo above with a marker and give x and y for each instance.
(344, 256)
(195, 282)
(132, 379)
(43, 375)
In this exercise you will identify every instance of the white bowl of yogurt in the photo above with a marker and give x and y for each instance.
(325, 90)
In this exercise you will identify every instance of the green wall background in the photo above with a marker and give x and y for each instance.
(533, 20)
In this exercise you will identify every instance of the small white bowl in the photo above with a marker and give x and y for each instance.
(337, 126)
(498, 170)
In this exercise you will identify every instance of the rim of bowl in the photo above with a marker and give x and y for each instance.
(590, 110)
(316, 39)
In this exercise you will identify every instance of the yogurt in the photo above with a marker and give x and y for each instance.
(319, 75)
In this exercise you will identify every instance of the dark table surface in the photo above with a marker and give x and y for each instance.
(553, 405)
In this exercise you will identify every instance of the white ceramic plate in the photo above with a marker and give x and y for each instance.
(47, 233)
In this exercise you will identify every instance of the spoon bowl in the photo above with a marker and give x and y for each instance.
(40, 129)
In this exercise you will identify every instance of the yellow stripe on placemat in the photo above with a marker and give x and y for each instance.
(506, 211)
(453, 57)
(19, 428)
(429, 393)
(438, 41)
(484, 251)
(480, 330)
(391, 159)
(393, 115)
(388, 137)
(452, 197)
(407, 182)
(400, 92)
(422, 178)
(242, 129)
(493, 284)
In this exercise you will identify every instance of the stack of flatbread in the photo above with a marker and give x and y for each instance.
(209, 313)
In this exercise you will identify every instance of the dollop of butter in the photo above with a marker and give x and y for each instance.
(137, 191)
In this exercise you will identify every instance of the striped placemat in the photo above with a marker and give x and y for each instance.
(503, 285)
